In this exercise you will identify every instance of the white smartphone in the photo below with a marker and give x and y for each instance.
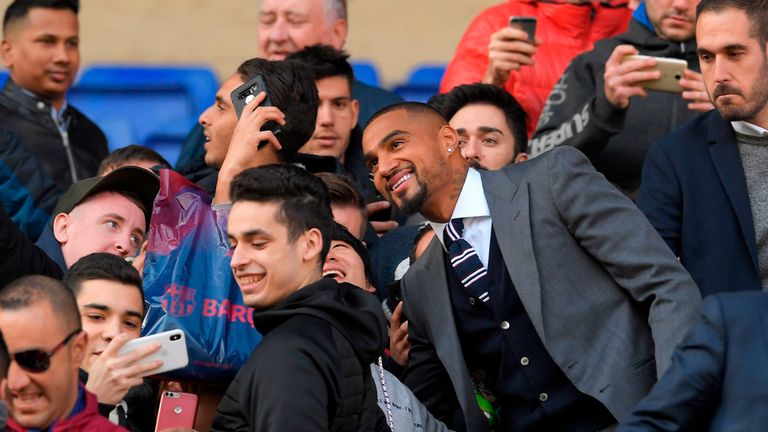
(173, 350)
(671, 71)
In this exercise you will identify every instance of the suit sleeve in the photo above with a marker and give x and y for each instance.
(611, 228)
(660, 197)
(425, 374)
(686, 396)
(577, 113)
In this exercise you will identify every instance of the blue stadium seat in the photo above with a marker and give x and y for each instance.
(423, 82)
(152, 100)
(365, 71)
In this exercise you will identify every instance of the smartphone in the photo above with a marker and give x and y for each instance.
(671, 71)
(177, 410)
(525, 23)
(246, 93)
(173, 350)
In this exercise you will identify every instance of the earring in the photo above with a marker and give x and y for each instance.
(450, 149)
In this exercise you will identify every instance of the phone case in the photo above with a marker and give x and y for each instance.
(525, 23)
(173, 350)
(671, 71)
(176, 410)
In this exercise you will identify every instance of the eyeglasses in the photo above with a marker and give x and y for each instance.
(38, 361)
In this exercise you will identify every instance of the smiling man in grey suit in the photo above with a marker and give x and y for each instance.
(545, 287)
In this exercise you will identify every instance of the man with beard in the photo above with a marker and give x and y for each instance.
(703, 186)
(490, 123)
(545, 284)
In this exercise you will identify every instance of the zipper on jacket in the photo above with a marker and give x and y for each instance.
(68, 150)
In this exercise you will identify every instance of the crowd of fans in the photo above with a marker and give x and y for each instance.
(528, 250)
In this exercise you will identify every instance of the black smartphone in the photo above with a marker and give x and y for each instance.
(525, 23)
(246, 93)
(373, 195)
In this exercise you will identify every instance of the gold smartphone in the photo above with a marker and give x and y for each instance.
(671, 71)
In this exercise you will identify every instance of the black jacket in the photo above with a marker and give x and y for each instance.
(19, 256)
(65, 157)
(304, 376)
(578, 114)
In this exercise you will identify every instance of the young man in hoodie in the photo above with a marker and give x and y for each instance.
(319, 336)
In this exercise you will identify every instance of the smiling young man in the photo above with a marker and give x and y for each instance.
(41, 49)
(110, 299)
(546, 284)
(704, 185)
(319, 335)
(41, 327)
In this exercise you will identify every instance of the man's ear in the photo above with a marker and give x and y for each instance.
(449, 139)
(521, 157)
(339, 34)
(313, 245)
(355, 105)
(6, 51)
(61, 224)
(78, 349)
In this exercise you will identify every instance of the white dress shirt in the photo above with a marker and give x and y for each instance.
(745, 128)
(473, 209)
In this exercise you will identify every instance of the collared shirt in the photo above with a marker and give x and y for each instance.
(473, 209)
(745, 128)
(57, 115)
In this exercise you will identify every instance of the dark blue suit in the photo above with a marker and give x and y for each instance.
(694, 193)
(718, 380)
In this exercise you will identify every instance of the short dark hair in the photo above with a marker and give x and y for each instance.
(292, 89)
(19, 9)
(342, 192)
(29, 290)
(459, 97)
(102, 266)
(5, 358)
(756, 11)
(412, 108)
(132, 153)
(303, 198)
(325, 61)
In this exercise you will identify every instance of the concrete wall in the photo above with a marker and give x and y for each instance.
(396, 34)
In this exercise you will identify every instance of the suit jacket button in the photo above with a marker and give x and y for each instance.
(524, 361)
(543, 397)
(504, 325)
(472, 301)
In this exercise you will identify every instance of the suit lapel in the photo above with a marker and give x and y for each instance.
(510, 212)
(724, 152)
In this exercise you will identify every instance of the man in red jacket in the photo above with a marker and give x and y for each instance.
(41, 327)
(492, 52)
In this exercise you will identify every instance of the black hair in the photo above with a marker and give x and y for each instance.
(343, 193)
(342, 234)
(292, 89)
(412, 108)
(325, 61)
(459, 97)
(132, 153)
(19, 9)
(5, 358)
(756, 11)
(29, 290)
(102, 266)
(302, 196)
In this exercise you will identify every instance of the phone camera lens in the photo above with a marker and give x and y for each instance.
(677, 76)
(175, 337)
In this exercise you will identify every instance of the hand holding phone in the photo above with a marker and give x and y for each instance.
(172, 352)
(111, 375)
(177, 411)
(509, 49)
(671, 71)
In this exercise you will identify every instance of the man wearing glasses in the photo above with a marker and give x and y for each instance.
(40, 323)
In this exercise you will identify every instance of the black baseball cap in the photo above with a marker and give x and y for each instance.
(142, 183)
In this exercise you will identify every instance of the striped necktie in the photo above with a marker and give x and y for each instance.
(465, 261)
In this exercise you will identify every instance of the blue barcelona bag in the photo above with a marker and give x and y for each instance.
(188, 283)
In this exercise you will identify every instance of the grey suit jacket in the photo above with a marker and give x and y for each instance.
(605, 294)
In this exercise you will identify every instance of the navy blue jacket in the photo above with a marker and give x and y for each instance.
(718, 377)
(694, 193)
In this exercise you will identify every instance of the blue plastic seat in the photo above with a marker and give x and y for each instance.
(366, 72)
(423, 82)
(151, 100)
